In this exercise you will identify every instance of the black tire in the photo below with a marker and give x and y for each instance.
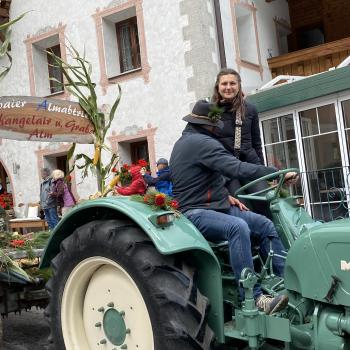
(1, 333)
(176, 308)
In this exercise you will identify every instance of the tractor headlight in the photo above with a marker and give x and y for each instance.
(165, 219)
(162, 220)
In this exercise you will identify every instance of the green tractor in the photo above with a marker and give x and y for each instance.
(128, 277)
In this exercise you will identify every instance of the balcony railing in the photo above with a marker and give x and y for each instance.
(310, 61)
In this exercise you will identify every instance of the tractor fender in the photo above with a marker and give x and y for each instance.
(181, 236)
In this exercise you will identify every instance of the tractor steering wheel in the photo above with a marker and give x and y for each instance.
(270, 192)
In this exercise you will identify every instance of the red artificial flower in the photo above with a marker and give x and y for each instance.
(142, 163)
(126, 166)
(114, 170)
(6, 201)
(17, 243)
(68, 178)
(174, 204)
(159, 199)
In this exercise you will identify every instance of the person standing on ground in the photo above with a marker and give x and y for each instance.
(62, 192)
(47, 202)
(162, 182)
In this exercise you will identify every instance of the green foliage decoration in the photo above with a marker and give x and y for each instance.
(5, 30)
(215, 113)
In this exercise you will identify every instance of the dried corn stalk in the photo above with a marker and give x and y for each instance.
(77, 81)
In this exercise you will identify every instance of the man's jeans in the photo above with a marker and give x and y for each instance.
(236, 227)
(51, 217)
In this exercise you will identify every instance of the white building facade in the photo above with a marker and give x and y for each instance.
(165, 54)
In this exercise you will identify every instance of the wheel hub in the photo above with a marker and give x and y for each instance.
(114, 326)
(95, 312)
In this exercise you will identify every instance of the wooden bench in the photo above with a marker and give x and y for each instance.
(24, 224)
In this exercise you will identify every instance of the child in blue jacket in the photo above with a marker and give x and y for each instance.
(162, 182)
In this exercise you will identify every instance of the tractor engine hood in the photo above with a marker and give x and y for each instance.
(318, 263)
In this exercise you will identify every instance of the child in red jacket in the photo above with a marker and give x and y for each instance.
(137, 186)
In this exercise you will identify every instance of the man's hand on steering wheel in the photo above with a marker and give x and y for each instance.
(237, 203)
(291, 178)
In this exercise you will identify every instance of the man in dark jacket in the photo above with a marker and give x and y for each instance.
(162, 182)
(198, 162)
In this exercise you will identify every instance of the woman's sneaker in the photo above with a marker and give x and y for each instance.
(270, 304)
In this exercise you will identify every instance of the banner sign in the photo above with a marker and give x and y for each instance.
(43, 119)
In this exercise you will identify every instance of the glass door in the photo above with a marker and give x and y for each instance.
(323, 162)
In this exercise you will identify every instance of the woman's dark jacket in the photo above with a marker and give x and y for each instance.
(251, 149)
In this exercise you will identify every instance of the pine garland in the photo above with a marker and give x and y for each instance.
(27, 266)
(158, 201)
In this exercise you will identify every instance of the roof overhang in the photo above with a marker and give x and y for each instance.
(311, 87)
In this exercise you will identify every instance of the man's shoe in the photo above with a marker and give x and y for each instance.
(270, 304)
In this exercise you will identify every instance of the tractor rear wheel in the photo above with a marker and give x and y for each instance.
(111, 289)
(1, 333)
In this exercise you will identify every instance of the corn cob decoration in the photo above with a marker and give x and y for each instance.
(97, 154)
(109, 188)
(114, 181)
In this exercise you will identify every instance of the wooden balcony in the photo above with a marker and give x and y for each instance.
(310, 61)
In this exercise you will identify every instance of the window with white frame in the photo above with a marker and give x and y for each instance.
(121, 42)
(323, 162)
(247, 34)
(280, 142)
(346, 113)
(320, 137)
(44, 67)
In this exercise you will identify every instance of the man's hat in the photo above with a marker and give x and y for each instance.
(162, 161)
(205, 113)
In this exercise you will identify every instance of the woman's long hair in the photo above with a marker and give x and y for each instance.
(238, 102)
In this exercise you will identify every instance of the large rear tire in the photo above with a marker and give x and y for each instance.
(111, 289)
(1, 333)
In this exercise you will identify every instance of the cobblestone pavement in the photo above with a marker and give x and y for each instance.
(28, 331)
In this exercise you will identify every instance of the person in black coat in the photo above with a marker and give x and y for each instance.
(241, 133)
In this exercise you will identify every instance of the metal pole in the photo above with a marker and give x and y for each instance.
(220, 33)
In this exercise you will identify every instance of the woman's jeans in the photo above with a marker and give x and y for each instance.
(237, 227)
(51, 217)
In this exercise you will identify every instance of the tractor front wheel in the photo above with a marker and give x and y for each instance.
(111, 289)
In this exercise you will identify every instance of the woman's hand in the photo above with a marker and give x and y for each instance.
(235, 202)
